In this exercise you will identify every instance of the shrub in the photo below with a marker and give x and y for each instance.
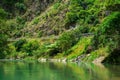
(71, 17)
(20, 20)
(83, 29)
(19, 44)
(3, 45)
(108, 32)
(35, 21)
(38, 53)
(40, 34)
(3, 13)
(30, 46)
(20, 6)
(91, 19)
(56, 6)
(43, 50)
(52, 49)
(68, 39)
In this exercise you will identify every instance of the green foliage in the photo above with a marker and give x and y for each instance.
(11, 51)
(65, 41)
(45, 50)
(3, 45)
(109, 31)
(56, 5)
(80, 48)
(108, 34)
(111, 24)
(40, 34)
(30, 46)
(10, 2)
(3, 38)
(9, 5)
(26, 46)
(79, 12)
(83, 29)
(71, 17)
(82, 15)
(92, 20)
(74, 8)
(13, 28)
(68, 39)
(3, 41)
(36, 20)
(19, 44)
(20, 6)
(3, 14)
(112, 2)
(20, 20)
(101, 52)
(113, 7)
(53, 49)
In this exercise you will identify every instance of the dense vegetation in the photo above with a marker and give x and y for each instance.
(72, 29)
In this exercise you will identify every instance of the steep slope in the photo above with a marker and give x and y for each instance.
(73, 29)
(50, 22)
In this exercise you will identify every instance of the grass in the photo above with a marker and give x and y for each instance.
(79, 48)
(96, 54)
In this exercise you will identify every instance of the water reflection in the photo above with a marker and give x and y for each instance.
(57, 71)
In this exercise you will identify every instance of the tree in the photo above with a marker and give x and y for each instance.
(3, 33)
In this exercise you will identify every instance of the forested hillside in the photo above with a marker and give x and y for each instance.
(73, 30)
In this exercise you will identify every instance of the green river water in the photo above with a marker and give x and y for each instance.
(19, 70)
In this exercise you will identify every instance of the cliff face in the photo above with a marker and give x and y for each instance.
(43, 18)
(49, 22)
(29, 8)
(36, 7)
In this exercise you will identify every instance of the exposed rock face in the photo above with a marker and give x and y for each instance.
(35, 7)
(44, 19)
(99, 60)
(32, 7)
(64, 60)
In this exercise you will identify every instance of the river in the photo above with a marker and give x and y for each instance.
(20, 70)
